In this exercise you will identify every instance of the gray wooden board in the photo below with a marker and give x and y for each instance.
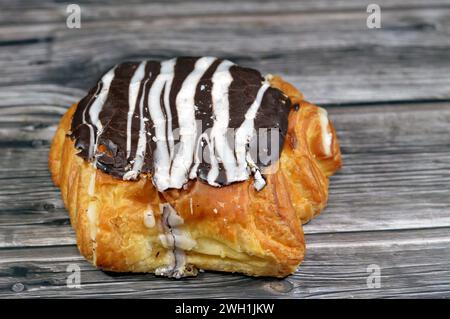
(330, 54)
(386, 91)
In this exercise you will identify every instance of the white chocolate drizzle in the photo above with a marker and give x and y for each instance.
(133, 90)
(243, 137)
(161, 177)
(221, 82)
(135, 85)
(188, 131)
(96, 107)
(151, 98)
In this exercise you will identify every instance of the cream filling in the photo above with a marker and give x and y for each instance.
(176, 241)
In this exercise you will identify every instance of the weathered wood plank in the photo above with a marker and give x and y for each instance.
(331, 56)
(25, 12)
(413, 263)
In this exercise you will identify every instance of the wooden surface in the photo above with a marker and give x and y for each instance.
(387, 92)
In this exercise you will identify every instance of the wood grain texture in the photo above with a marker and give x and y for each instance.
(387, 93)
(307, 44)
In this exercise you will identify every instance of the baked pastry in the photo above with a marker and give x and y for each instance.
(193, 163)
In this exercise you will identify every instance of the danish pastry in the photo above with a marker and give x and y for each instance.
(193, 163)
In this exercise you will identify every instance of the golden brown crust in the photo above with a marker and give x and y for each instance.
(235, 228)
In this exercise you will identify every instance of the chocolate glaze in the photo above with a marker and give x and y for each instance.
(108, 136)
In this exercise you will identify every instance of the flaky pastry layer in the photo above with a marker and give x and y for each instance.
(120, 224)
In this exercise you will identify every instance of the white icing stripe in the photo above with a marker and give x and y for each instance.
(186, 118)
(327, 137)
(91, 129)
(173, 166)
(259, 182)
(203, 138)
(167, 89)
(221, 82)
(161, 157)
(141, 145)
(97, 106)
(142, 140)
(245, 133)
(133, 91)
(214, 170)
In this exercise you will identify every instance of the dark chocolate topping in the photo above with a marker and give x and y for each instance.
(180, 119)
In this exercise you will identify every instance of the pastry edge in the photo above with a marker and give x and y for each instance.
(70, 173)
